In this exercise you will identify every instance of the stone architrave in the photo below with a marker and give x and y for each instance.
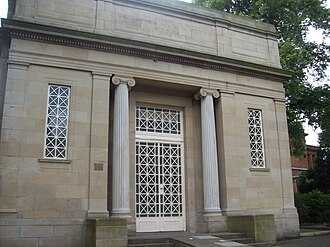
(209, 152)
(120, 162)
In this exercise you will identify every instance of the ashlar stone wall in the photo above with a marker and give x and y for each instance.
(48, 202)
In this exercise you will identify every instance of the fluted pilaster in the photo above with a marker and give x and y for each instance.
(209, 152)
(120, 164)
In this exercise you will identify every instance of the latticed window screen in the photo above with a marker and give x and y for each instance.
(158, 120)
(256, 138)
(57, 122)
(158, 180)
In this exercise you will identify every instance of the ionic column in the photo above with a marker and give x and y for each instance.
(120, 163)
(209, 152)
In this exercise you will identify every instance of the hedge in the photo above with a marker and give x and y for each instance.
(313, 207)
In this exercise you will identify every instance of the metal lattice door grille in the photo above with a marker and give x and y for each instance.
(159, 179)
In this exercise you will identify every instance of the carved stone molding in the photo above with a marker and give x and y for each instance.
(17, 65)
(143, 50)
(101, 76)
(122, 79)
(279, 101)
(207, 91)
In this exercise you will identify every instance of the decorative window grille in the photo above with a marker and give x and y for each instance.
(256, 138)
(57, 122)
(158, 120)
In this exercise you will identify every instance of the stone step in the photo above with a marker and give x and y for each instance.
(157, 242)
(229, 235)
(152, 245)
(235, 237)
(263, 244)
(243, 240)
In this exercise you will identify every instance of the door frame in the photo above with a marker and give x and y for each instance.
(162, 138)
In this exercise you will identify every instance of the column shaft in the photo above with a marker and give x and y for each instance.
(120, 162)
(209, 154)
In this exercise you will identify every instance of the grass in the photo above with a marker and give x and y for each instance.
(311, 230)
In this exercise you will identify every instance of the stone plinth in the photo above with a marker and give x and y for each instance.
(209, 223)
(106, 232)
(259, 227)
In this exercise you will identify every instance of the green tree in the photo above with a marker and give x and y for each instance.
(317, 178)
(292, 20)
(317, 106)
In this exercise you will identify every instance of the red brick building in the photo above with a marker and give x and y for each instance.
(299, 165)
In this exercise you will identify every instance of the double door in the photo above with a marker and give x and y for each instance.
(159, 184)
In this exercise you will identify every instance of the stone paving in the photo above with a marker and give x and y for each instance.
(315, 241)
(193, 239)
(207, 241)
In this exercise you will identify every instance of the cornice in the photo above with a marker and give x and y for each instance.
(86, 40)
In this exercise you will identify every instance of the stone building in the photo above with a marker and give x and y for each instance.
(166, 114)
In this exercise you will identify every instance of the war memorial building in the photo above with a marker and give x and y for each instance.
(165, 114)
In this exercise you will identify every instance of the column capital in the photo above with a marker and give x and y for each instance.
(101, 76)
(123, 79)
(17, 65)
(279, 101)
(207, 91)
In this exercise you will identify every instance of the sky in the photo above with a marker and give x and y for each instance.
(311, 138)
(3, 8)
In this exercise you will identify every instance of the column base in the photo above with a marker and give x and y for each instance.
(212, 212)
(124, 214)
(211, 223)
(98, 215)
(287, 224)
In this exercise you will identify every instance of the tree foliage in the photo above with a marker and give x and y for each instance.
(292, 20)
(313, 207)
